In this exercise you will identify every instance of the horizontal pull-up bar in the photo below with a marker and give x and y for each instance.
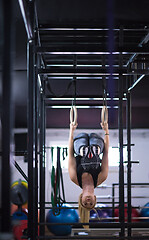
(132, 184)
(103, 225)
(46, 28)
(89, 50)
(83, 70)
(91, 73)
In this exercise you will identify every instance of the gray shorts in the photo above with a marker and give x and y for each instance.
(85, 140)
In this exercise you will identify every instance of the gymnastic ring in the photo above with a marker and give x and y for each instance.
(73, 115)
(104, 115)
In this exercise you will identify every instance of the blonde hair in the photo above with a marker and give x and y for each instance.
(84, 212)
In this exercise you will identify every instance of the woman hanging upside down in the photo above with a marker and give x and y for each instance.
(85, 167)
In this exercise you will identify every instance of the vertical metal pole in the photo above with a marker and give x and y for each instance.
(31, 137)
(31, 129)
(128, 109)
(110, 47)
(120, 124)
(42, 163)
(36, 139)
(113, 200)
(7, 113)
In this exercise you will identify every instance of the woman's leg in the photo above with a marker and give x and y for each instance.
(81, 140)
(96, 140)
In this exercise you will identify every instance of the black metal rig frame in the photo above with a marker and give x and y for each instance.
(41, 54)
(7, 115)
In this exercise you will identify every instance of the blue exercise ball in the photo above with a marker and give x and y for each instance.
(102, 212)
(67, 215)
(145, 212)
(18, 215)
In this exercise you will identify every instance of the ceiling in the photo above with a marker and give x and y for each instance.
(84, 29)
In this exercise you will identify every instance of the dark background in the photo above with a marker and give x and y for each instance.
(85, 14)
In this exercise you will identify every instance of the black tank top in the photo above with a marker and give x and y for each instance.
(93, 171)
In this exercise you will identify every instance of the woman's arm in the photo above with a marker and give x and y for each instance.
(104, 166)
(71, 159)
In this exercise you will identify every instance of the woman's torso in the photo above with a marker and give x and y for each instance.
(91, 170)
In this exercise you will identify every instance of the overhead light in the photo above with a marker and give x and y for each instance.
(80, 74)
(81, 65)
(84, 99)
(70, 78)
(79, 78)
(84, 53)
(72, 29)
(79, 107)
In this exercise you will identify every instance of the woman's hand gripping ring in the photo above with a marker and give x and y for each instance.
(104, 115)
